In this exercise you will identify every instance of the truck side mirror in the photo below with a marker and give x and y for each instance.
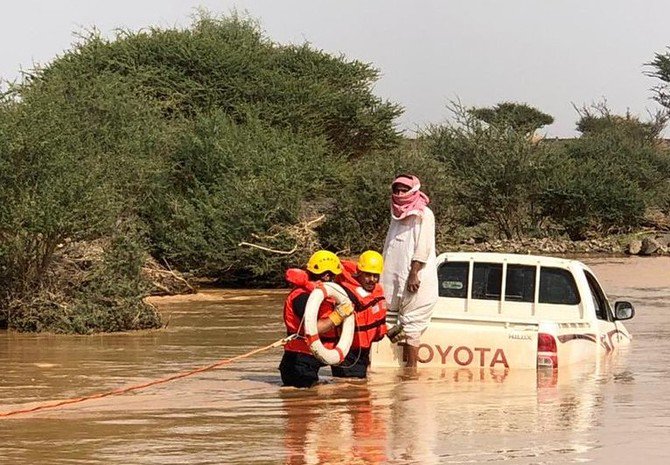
(623, 310)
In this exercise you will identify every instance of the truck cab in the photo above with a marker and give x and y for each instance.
(501, 311)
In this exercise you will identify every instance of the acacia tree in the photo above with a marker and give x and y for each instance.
(661, 70)
(496, 172)
(518, 116)
(599, 119)
(227, 64)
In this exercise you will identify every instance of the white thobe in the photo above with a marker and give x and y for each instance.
(407, 240)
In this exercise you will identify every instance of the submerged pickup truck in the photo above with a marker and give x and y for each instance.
(503, 311)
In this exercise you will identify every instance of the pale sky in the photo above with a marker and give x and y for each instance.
(549, 54)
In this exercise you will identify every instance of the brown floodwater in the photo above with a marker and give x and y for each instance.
(615, 410)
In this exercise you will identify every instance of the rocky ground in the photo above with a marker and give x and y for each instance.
(646, 243)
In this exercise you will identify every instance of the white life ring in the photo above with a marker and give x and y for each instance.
(328, 356)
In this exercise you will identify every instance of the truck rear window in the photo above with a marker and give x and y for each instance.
(557, 286)
(520, 284)
(486, 281)
(453, 279)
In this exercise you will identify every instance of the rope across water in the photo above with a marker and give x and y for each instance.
(138, 387)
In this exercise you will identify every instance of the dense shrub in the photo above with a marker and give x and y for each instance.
(95, 287)
(591, 197)
(228, 64)
(608, 177)
(232, 183)
(627, 143)
(495, 171)
(212, 136)
(76, 158)
(359, 216)
(602, 182)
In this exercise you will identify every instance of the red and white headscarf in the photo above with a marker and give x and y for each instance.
(411, 202)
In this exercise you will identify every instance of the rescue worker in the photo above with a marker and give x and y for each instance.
(409, 278)
(361, 282)
(298, 366)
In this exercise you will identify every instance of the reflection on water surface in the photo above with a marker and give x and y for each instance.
(614, 411)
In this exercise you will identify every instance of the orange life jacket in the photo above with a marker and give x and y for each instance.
(292, 321)
(369, 307)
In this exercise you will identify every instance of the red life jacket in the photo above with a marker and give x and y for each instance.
(292, 321)
(369, 307)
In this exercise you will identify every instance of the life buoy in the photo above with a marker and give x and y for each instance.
(337, 354)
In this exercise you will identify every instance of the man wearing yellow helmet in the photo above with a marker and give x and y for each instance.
(361, 282)
(298, 366)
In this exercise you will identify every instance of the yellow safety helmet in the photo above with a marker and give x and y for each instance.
(323, 261)
(371, 262)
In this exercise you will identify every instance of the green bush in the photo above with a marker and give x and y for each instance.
(609, 177)
(232, 183)
(591, 197)
(89, 294)
(211, 136)
(495, 172)
(227, 64)
(360, 213)
(516, 116)
(76, 158)
(630, 145)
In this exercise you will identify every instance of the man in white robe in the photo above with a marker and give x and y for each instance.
(409, 278)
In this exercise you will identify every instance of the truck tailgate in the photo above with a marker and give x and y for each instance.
(467, 343)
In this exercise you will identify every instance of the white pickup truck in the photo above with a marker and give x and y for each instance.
(500, 311)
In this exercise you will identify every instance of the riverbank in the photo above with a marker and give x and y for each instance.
(645, 243)
(626, 271)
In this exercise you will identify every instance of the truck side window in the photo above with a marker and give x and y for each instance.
(603, 311)
(453, 279)
(486, 281)
(557, 286)
(520, 284)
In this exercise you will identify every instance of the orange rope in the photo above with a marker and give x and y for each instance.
(137, 387)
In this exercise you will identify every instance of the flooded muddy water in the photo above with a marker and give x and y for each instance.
(614, 411)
